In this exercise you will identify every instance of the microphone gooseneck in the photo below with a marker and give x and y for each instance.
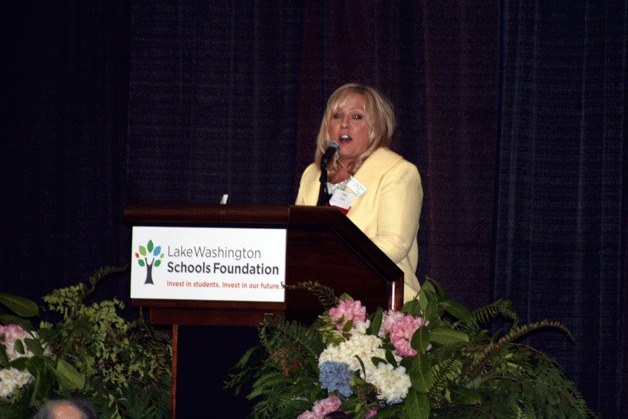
(330, 151)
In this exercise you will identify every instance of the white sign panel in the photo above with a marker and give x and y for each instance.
(203, 263)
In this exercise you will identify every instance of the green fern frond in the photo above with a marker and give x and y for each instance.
(280, 397)
(269, 381)
(100, 274)
(262, 333)
(515, 333)
(444, 371)
(524, 382)
(247, 367)
(291, 332)
(500, 308)
(325, 295)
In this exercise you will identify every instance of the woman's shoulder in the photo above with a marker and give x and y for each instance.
(386, 160)
(311, 171)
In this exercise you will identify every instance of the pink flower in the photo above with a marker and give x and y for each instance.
(12, 332)
(371, 413)
(321, 408)
(390, 318)
(348, 310)
(401, 332)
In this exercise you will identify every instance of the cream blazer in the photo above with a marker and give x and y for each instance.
(388, 212)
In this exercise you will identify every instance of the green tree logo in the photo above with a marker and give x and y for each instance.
(149, 252)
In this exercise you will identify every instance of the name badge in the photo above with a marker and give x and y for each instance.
(356, 186)
(342, 199)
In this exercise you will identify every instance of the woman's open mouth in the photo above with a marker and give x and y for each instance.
(345, 138)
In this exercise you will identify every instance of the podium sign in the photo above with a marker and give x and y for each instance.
(208, 263)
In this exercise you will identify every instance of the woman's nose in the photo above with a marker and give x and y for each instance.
(345, 122)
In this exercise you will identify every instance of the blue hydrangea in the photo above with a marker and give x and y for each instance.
(335, 376)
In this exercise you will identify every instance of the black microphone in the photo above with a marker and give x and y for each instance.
(330, 151)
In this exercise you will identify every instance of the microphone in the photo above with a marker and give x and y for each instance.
(330, 152)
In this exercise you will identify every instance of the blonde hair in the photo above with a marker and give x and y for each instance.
(380, 118)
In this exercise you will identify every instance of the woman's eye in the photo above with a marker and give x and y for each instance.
(357, 116)
(335, 116)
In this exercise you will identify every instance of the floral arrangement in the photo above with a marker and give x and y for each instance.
(14, 341)
(431, 359)
(121, 367)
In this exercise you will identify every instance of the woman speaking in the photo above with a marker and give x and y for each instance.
(376, 188)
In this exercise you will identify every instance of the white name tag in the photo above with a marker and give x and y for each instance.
(342, 199)
(356, 186)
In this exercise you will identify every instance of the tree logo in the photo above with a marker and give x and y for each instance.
(149, 252)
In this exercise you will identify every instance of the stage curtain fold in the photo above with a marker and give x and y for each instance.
(559, 232)
(212, 101)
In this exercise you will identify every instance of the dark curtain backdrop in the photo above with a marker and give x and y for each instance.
(512, 111)
(64, 71)
(561, 158)
(213, 101)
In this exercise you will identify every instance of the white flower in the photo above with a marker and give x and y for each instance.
(10, 379)
(360, 327)
(392, 383)
(22, 377)
(364, 346)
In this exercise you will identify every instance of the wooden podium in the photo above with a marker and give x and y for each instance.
(323, 245)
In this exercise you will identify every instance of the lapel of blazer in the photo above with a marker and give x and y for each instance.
(376, 165)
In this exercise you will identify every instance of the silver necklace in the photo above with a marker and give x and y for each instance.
(333, 187)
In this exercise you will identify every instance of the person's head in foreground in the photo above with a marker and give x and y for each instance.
(66, 409)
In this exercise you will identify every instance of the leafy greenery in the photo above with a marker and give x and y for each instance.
(121, 367)
(459, 368)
